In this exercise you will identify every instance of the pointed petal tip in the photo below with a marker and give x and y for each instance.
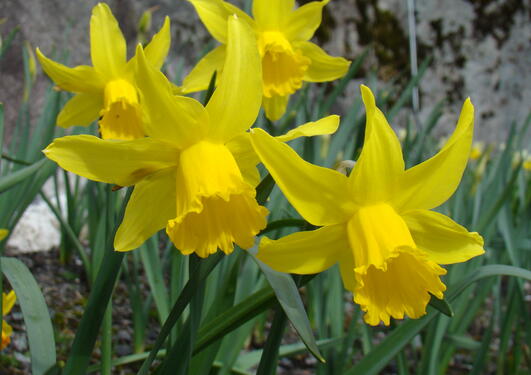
(468, 104)
(367, 97)
(42, 58)
(139, 49)
(140, 56)
(102, 6)
(120, 246)
(257, 132)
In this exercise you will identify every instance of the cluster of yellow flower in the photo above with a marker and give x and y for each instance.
(194, 167)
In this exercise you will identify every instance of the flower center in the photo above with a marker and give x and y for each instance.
(215, 207)
(392, 276)
(283, 67)
(121, 117)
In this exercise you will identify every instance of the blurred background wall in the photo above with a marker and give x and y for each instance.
(478, 48)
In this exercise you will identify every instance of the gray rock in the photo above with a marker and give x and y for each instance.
(480, 49)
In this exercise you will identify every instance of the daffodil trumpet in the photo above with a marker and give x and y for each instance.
(108, 89)
(287, 56)
(377, 223)
(196, 173)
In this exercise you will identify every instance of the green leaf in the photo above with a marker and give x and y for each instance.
(238, 315)
(406, 94)
(234, 317)
(97, 304)
(289, 298)
(382, 354)
(151, 261)
(250, 359)
(264, 189)
(283, 223)
(177, 362)
(463, 341)
(269, 358)
(179, 306)
(35, 312)
(343, 82)
(5, 44)
(442, 305)
(1, 132)
(9, 181)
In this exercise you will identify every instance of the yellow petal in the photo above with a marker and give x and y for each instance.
(107, 43)
(121, 116)
(283, 67)
(7, 330)
(215, 207)
(319, 194)
(5, 232)
(326, 125)
(305, 252)
(79, 79)
(151, 205)
(402, 287)
(219, 225)
(81, 110)
(236, 101)
(272, 14)
(8, 301)
(445, 241)
(376, 173)
(323, 67)
(376, 232)
(157, 50)
(346, 268)
(177, 119)
(431, 183)
(121, 163)
(200, 76)
(275, 106)
(247, 160)
(392, 276)
(214, 14)
(303, 22)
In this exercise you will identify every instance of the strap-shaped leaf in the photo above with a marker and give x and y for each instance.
(35, 312)
(289, 298)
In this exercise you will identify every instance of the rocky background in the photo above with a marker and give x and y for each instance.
(478, 48)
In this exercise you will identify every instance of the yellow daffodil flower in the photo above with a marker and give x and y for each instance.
(477, 150)
(107, 89)
(8, 301)
(288, 57)
(376, 223)
(196, 172)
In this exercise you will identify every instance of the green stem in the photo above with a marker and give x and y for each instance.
(179, 306)
(106, 334)
(70, 233)
(269, 359)
(106, 341)
(177, 361)
(99, 298)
